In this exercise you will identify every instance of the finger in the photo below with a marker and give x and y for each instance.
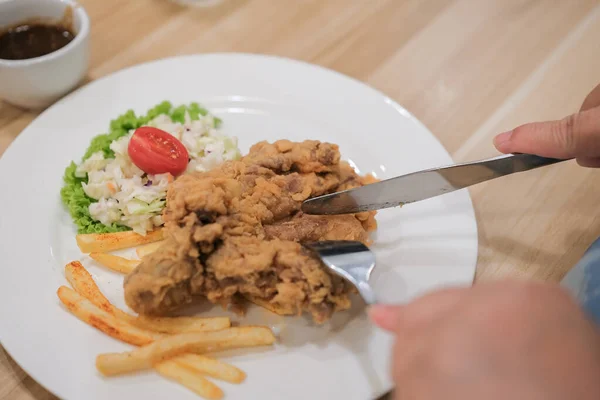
(575, 136)
(590, 162)
(421, 310)
(385, 316)
(592, 100)
(429, 307)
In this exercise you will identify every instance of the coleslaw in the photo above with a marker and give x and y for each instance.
(107, 192)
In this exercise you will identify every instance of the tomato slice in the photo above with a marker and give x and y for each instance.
(155, 151)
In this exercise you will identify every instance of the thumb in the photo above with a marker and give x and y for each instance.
(577, 135)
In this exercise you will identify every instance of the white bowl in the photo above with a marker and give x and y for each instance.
(40, 81)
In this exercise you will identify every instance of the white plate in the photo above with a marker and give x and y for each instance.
(419, 247)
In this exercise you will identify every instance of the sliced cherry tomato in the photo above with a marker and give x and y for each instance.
(155, 151)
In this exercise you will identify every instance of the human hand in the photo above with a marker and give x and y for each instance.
(503, 340)
(576, 136)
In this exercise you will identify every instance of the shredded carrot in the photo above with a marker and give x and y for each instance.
(111, 187)
(170, 178)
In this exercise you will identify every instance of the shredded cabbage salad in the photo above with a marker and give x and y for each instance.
(106, 192)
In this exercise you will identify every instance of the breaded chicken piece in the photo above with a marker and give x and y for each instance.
(236, 230)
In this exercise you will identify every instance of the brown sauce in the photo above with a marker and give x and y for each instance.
(29, 40)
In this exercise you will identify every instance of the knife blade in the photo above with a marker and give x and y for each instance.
(422, 185)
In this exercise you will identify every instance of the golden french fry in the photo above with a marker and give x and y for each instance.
(105, 322)
(148, 248)
(211, 367)
(103, 242)
(88, 304)
(112, 326)
(89, 313)
(83, 283)
(171, 346)
(115, 263)
(188, 378)
(182, 324)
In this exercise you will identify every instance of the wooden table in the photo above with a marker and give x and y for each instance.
(467, 68)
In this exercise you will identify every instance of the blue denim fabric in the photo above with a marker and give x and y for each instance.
(583, 281)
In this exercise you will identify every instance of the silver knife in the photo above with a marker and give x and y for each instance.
(422, 185)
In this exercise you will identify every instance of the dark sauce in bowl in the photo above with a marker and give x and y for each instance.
(30, 40)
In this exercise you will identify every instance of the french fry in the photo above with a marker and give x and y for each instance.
(211, 367)
(103, 242)
(88, 304)
(83, 283)
(185, 371)
(145, 357)
(175, 325)
(115, 263)
(188, 378)
(148, 248)
(86, 311)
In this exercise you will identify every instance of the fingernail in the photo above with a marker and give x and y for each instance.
(502, 138)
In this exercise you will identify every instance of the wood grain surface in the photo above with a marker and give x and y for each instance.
(468, 69)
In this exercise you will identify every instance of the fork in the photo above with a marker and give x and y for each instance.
(350, 260)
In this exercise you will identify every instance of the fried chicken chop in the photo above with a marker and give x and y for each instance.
(236, 231)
